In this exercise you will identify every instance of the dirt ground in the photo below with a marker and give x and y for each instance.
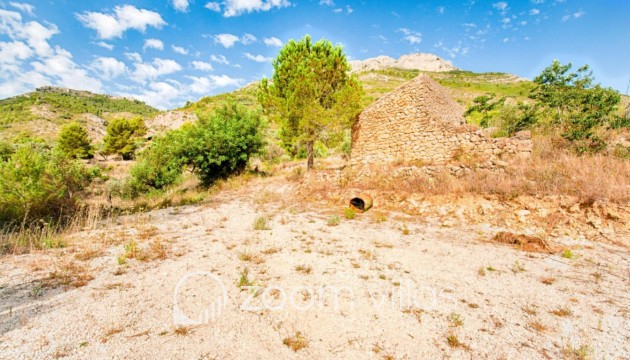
(249, 273)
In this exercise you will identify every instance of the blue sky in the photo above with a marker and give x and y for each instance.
(172, 51)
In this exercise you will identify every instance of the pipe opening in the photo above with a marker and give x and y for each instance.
(358, 203)
(361, 203)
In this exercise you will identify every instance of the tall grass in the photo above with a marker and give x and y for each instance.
(17, 238)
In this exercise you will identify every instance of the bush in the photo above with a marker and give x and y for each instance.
(74, 142)
(123, 137)
(36, 182)
(221, 144)
(217, 146)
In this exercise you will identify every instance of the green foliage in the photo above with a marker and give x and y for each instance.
(222, 143)
(74, 142)
(66, 103)
(483, 109)
(571, 100)
(36, 182)
(218, 145)
(311, 93)
(124, 136)
(6, 150)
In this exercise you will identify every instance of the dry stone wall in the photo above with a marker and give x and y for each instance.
(419, 121)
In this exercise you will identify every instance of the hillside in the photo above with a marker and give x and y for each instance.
(42, 112)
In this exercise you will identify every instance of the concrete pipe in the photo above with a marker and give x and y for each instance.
(361, 203)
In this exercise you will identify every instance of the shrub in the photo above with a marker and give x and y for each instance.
(221, 144)
(36, 182)
(74, 142)
(215, 147)
(123, 137)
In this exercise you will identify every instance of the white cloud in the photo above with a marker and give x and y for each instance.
(537, 1)
(52, 65)
(219, 59)
(248, 39)
(227, 40)
(412, 37)
(65, 71)
(455, 50)
(33, 33)
(104, 45)
(109, 26)
(12, 54)
(180, 5)
(23, 7)
(502, 6)
(134, 56)
(338, 11)
(257, 58)
(201, 65)
(440, 9)
(109, 67)
(575, 15)
(179, 50)
(160, 94)
(151, 71)
(204, 85)
(273, 41)
(349, 10)
(213, 6)
(327, 2)
(534, 12)
(153, 44)
(239, 7)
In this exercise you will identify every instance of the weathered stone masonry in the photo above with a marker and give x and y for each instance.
(419, 121)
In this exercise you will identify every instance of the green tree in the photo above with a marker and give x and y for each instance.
(123, 137)
(310, 93)
(74, 141)
(574, 103)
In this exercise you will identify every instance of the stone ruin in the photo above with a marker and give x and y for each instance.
(419, 121)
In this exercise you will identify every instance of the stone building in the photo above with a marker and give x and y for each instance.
(419, 121)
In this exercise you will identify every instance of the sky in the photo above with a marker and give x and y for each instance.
(171, 51)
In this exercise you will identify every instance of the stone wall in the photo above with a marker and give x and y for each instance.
(419, 121)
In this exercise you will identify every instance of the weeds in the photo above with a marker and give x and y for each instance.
(568, 254)
(261, 223)
(453, 341)
(304, 269)
(582, 353)
(296, 342)
(243, 280)
(455, 319)
(349, 213)
(333, 220)
(562, 311)
(537, 326)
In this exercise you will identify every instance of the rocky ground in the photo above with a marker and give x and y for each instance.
(255, 272)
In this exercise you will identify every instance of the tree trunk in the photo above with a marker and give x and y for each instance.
(309, 155)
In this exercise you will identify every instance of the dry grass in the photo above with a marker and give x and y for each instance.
(550, 170)
(537, 326)
(39, 235)
(68, 274)
(296, 342)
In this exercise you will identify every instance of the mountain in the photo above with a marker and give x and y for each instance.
(42, 112)
(417, 61)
